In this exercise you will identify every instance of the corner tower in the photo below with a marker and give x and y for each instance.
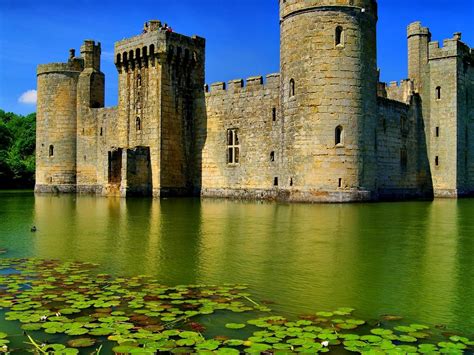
(328, 97)
(57, 125)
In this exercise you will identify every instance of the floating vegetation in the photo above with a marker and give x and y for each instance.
(69, 301)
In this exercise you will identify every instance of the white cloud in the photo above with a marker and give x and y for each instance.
(28, 97)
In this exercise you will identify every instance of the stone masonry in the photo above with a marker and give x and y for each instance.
(324, 129)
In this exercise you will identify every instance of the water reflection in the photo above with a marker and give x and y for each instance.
(412, 259)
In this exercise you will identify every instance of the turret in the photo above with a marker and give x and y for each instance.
(328, 97)
(56, 126)
(92, 81)
(418, 40)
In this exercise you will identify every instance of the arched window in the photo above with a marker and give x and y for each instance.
(339, 137)
(438, 93)
(339, 37)
(138, 124)
(51, 150)
(119, 58)
(292, 87)
(152, 50)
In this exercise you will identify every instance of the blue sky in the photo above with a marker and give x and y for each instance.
(242, 36)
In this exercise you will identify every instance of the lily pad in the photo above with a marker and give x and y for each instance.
(81, 342)
(235, 325)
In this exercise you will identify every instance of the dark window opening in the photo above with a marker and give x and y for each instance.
(51, 150)
(437, 161)
(339, 36)
(340, 182)
(139, 80)
(291, 182)
(404, 129)
(274, 114)
(275, 181)
(403, 159)
(101, 131)
(437, 131)
(233, 146)
(138, 124)
(272, 156)
(438, 93)
(339, 136)
(292, 87)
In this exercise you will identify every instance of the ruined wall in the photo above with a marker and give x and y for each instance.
(56, 126)
(253, 111)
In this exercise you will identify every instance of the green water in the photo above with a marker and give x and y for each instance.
(412, 259)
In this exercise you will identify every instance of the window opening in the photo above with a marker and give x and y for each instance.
(233, 146)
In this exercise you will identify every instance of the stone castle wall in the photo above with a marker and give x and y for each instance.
(253, 111)
(322, 130)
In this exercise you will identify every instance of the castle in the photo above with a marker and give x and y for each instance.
(324, 129)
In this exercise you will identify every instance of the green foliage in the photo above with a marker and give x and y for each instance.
(17, 150)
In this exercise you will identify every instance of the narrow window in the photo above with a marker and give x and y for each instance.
(275, 181)
(403, 159)
(292, 87)
(101, 131)
(138, 124)
(139, 80)
(339, 135)
(51, 150)
(438, 93)
(437, 161)
(340, 182)
(404, 126)
(272, 156)
(437, 131)
(233, 146)
(274, 114)
(291, 182)
(339, 36)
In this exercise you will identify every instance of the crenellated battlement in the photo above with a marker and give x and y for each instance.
(251, 84)
(293, 7)
(156, 43)
(401, 91)
(452, 47)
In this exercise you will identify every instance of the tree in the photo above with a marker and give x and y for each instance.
(17, 150)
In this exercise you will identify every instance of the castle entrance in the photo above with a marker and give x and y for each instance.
(139, 176)
(115, 170)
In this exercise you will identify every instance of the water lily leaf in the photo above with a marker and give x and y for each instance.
(235, 326)
(371, 338)
(31, 326)
(81, 343)
(124, 349)
(325, 314)
(208, 345)
(227, 351)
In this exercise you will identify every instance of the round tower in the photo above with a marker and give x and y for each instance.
(329, 97)
(56, 126)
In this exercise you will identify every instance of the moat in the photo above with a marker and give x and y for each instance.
(412, 259)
